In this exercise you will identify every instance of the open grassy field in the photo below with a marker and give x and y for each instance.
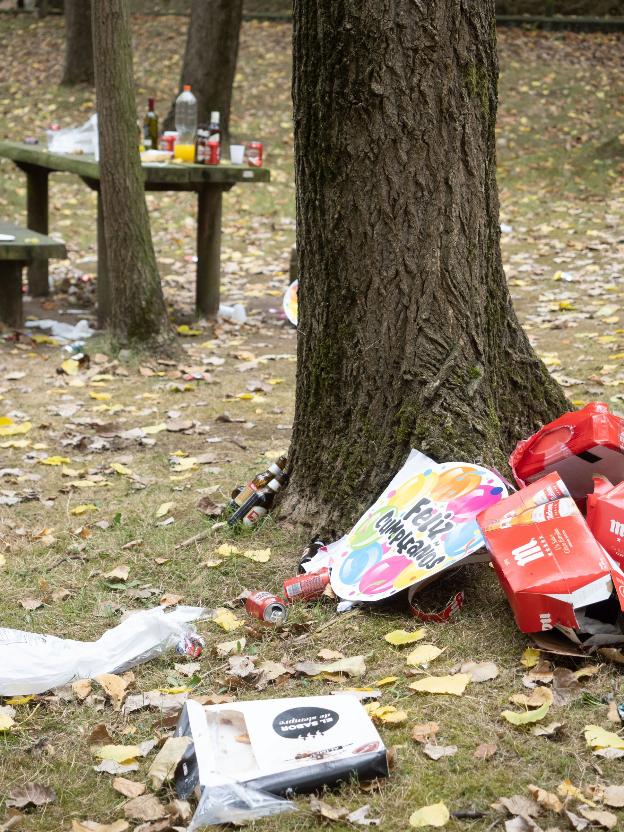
(561, 160)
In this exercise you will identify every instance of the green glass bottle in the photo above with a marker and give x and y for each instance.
(150, 127)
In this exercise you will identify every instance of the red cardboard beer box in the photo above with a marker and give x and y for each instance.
(605, 517)
(550, 565)
(577, 446)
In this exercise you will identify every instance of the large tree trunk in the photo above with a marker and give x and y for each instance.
(78, 43)
(138, 313)
(407, 335)
(210, 59)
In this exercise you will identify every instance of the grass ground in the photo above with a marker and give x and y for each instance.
(560, 173)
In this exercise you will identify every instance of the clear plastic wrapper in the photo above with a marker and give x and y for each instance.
(236, 803)
(34, 663)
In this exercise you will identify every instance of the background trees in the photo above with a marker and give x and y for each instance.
(78, 68)
(138, 313)
(210, 58)
(407, 334)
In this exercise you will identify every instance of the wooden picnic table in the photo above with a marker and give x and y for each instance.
(208, 181)
(27, 247)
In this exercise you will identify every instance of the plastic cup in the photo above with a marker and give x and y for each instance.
(237, 154)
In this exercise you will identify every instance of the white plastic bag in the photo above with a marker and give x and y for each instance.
(83, 139)
(34, 663)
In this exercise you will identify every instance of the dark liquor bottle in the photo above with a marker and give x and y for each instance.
(150, 127)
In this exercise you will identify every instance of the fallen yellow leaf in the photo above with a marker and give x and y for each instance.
(399, 637)
(597, 738)
(83, 509)
(118, 753)
(530, 657)
(121, 469)
(70, 366)
(100, 397)
(226, 620)
(423, 654)
(258, 555)
(387, 680)
(151, 429)
(54, 460)
(184, 329)
(14, 430)
(164, 508)
(527, 717)
(434, 815)
(454, 685)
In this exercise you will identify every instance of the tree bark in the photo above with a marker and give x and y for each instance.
(138, 313)
(78, 67)
(210, 59)
(407, 334)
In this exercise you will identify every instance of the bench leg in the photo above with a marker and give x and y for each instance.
(11, 312)
(209, 202)
(103, 283)
(37, 206)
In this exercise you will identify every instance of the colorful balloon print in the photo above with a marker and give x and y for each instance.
(423, 523)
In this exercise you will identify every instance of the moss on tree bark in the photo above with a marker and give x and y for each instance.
(407, 333)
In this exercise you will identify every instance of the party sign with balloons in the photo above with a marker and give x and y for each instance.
(423, 523)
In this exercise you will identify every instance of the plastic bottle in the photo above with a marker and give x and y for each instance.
(186, 125)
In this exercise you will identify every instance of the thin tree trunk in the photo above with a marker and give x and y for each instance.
(138, 313)
(210, 59)
(78, 43)
(407, 334)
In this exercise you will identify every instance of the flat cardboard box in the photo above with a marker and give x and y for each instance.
(279, 745)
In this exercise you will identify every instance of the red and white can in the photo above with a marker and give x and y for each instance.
(213, 153)
(254, 154)
(267, 607)
(306, 587)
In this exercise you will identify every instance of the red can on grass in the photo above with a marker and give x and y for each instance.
(267, 607)
(306, 587)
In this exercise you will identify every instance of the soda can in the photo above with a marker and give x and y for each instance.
(213, 153)
(267, 607)
(306, 587)
(190, 644)
(254, 154)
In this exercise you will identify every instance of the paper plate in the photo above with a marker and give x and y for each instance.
(291, 302)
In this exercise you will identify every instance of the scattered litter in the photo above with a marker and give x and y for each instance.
(571, 586)
(605, 516)
(34, 663)
(422, 524)
(284, 739)
(65, 332)
(578, 446)
(235, 314)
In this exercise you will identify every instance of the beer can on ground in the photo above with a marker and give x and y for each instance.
(267, 607)
(306, 587)
(254, 154)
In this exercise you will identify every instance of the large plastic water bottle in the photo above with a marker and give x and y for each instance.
(186, 124)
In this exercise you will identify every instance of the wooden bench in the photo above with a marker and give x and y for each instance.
(26, 247)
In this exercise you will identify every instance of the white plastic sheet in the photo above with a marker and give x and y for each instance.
(34, 663)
